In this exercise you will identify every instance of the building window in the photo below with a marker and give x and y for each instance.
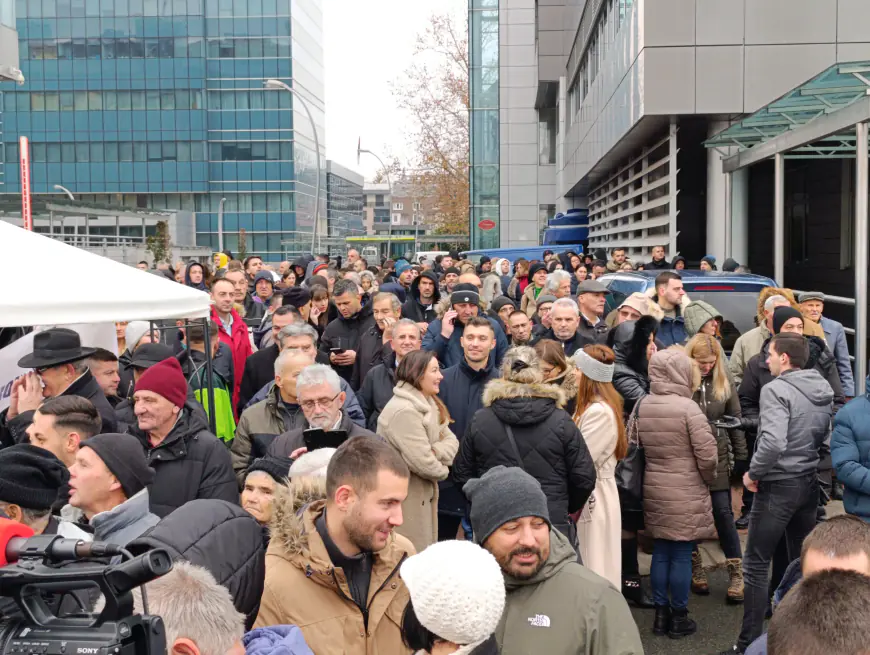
(397, 218)
(547, 119)
(417, 206)
(398, 206)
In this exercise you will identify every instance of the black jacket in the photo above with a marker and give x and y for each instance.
(377, 389)
(125, 372)
(663, 265)
(586, 335)
(220, 537)
(629, 341)
(259, 369)
(462, 392)
(189, 463)
(125, 411)
(369, 353)
(416, 311)
(14, 430)
(286, 443)
(552, 449)
(345, 333)
(757, 374)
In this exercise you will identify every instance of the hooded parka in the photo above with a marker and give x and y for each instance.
(304, 589)
(411, 424)
(413, 308)
(552, 449)
(189, 463)
(680, 452)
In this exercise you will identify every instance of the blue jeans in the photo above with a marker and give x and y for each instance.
(671, 570)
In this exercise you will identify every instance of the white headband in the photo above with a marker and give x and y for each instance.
(592, 368)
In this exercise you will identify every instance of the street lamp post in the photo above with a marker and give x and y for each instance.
(221, 225)
(359, 151)
(278, 84)
(71, 197)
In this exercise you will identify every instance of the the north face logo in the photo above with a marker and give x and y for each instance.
(539, 621)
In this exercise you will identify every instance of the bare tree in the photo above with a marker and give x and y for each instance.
(434, 92)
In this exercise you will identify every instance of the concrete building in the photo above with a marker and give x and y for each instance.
(407, 209)
(162, 104)
(605, 105)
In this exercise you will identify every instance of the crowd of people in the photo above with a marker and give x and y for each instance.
(449, 457)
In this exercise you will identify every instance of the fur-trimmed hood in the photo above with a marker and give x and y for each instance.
(629, 342)
(811, 328)
(517, 403)
(287, 527)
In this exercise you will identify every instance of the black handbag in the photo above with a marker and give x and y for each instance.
(629, 470)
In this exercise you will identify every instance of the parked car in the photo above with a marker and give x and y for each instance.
(512, 254)
(735, 295)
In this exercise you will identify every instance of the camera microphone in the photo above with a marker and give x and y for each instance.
(18, 542)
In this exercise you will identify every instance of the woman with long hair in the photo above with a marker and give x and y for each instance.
(599, 417)
(715, 394)
(520, 280)
(318, 316)
(558, 370)
(416, 423)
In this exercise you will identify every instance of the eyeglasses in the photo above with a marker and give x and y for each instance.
(322, 402)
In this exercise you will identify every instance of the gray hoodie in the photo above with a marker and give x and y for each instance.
(125, 522)
(795, 412)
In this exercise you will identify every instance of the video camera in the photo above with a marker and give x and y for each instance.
(43, 568)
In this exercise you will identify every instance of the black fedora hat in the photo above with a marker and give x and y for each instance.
(54, 347)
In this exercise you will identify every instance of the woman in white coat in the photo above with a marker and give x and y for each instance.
(599, 417)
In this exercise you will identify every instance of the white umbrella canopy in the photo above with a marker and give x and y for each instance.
(49, 282)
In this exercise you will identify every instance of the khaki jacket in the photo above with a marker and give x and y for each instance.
(410, 424)
(528, 303)
(302, 588)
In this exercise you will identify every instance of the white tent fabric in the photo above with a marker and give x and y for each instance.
(50, 282)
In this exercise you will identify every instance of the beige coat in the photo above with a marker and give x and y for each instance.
(600, 524)
(410, 424)
(528, 303)
(680, 452)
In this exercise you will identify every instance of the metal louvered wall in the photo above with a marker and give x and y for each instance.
(635, 206)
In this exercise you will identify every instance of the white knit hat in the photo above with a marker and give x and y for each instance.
(457, 592)
(313, 464)
(134, 331)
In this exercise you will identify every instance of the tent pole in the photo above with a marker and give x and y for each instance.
(779, 219)
(861, 191)
(212, 420)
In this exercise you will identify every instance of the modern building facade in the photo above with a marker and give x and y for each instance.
(622, 94)
(344, 201)
(8, 43)
(160, 104)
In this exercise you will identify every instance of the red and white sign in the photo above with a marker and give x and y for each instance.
(486, 224)
(26, 208)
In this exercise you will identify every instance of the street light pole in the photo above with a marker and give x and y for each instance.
(359, 151)
(71, 197)
(278, 84)
(221, 225)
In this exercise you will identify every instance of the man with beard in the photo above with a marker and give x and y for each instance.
(377, 387)
(319, 394)
(449, 280)
(420, 307)
(332, 568)
(547, 590)
(340, 340)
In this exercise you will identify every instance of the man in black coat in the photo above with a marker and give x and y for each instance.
(340, 339)
(569, 328)
(260, 367)
(658, 263)
(425, 294)
(374, 342)
(59, 368)
(377, 388)
(318, 391)
(218, 536)
(189, 461)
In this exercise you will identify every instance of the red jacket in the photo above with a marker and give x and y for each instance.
(239, 343)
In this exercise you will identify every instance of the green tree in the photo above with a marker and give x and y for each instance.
(159, 244)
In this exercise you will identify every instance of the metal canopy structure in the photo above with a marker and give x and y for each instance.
(826, 117)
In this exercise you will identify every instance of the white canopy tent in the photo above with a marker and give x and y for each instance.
(50, 282)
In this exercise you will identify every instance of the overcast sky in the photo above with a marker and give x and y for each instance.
(368, 44)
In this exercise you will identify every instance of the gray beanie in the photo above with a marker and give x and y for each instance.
(503, 494)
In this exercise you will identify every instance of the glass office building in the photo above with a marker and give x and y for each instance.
(484, 92)
(160, 104)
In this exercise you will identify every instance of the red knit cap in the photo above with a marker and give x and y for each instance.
(165, 379)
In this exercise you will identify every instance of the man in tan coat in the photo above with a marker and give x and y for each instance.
(333, 568)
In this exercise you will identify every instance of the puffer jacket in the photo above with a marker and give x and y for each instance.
(565, 609)
(304, 589)
(697, 314)
(218, 536)
(757, 375)
(680, 451)
(345, 333)
(189, 463)
(731, 444)
(259, 425)
(629, 342)
(276, 640)
(850, 450)
(552, 449)
(794, 423)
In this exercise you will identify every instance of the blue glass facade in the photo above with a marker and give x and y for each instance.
(160, 103)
